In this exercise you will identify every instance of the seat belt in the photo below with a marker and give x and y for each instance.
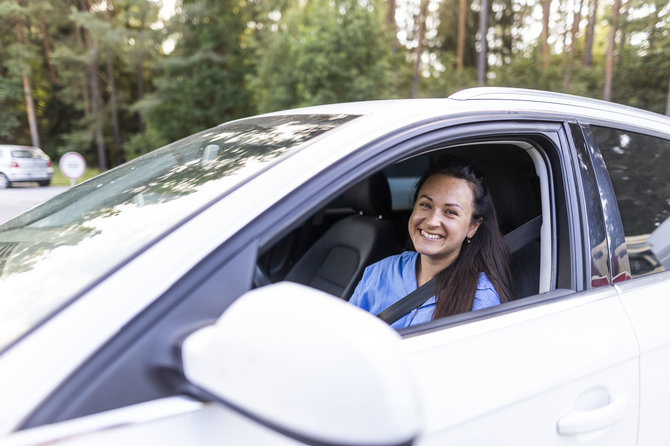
(515, 239)
(408, 303)
(524, 234)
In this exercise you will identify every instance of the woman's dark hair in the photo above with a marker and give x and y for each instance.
(485, 252)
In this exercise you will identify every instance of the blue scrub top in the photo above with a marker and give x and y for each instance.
(389, 280)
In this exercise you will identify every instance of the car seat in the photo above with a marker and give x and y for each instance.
(335, 262)
(515, 199)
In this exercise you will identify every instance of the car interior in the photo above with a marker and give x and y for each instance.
(367, 222)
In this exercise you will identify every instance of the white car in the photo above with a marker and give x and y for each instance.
(24, 164)
(197, 295)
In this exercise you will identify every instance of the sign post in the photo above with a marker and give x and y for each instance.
(73, 166)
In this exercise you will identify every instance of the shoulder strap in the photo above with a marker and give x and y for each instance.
(516, 239)
(521, 236)
(408, 303)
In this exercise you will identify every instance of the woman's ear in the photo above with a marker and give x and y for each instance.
(474, 225)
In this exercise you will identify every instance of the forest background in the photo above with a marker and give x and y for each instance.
(118, 78)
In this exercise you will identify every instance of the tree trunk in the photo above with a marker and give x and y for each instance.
(96, 108)
(113, 102)
(667, 103)
(47, 50)
(652, 28)
(391, 23)
(140, 94)
(544, 39)
(460, 49)
(112, 93)
(622, 33)
(96, 97)
(574, 31)
(84, 84)
(590, 31)
(611, 46)
(483, 46)
(420, 36)
(30, 103)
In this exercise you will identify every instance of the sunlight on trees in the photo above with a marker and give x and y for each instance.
(114, 79)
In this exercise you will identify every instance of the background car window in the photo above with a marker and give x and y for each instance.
(638, 166)
(28, 153)
(402, 178)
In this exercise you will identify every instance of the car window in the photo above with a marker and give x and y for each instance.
(28, 153)
(638, 166)
(402, 178)
(509, 171)
(66, 241)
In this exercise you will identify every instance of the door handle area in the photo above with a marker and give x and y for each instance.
(585, 421)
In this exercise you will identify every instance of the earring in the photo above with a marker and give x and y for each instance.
(467, 240)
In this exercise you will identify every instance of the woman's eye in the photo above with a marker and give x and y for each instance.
(450, 212)
(425, 205)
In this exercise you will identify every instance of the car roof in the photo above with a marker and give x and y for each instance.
(551, 98)
(499, 99)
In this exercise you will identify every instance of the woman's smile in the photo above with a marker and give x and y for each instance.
(430, 236)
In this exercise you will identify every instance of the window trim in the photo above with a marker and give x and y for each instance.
(619, 269)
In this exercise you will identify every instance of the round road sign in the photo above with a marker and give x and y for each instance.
(72, 165)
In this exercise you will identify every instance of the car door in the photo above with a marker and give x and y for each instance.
(561, 372)
(637, 164)
(560, 367)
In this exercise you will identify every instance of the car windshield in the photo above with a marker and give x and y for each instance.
(53, 253)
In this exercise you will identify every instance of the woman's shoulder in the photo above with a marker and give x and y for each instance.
(399, 259)
(483, 282)
(486, 294)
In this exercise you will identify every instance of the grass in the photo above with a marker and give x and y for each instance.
(58, 179)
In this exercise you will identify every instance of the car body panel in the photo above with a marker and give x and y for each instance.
(171, 421)
(646, 302)
(470, 374)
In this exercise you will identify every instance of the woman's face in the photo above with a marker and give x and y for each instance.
(442, 218)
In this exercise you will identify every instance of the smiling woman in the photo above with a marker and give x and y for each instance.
(459, 247)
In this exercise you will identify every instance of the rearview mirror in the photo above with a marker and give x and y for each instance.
(309, 365)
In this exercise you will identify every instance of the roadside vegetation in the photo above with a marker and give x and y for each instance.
(58, 179)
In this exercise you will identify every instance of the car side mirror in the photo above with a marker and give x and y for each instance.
(307, 364)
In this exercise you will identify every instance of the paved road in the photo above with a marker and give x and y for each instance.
(18, 199)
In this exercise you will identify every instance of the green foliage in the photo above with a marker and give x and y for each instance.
(10, 98)
(203, 80)
(324, 52)
(141, 143)
(58, 179)
(233, 58)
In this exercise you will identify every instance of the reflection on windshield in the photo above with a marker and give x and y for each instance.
(52, 253)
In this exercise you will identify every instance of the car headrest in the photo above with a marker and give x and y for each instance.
(372, 196)
(514, 198)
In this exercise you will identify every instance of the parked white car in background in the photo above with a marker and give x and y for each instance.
(24, 164)
(197, 295)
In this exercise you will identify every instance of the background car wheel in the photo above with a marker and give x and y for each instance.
(45, 183)
(4, 181)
